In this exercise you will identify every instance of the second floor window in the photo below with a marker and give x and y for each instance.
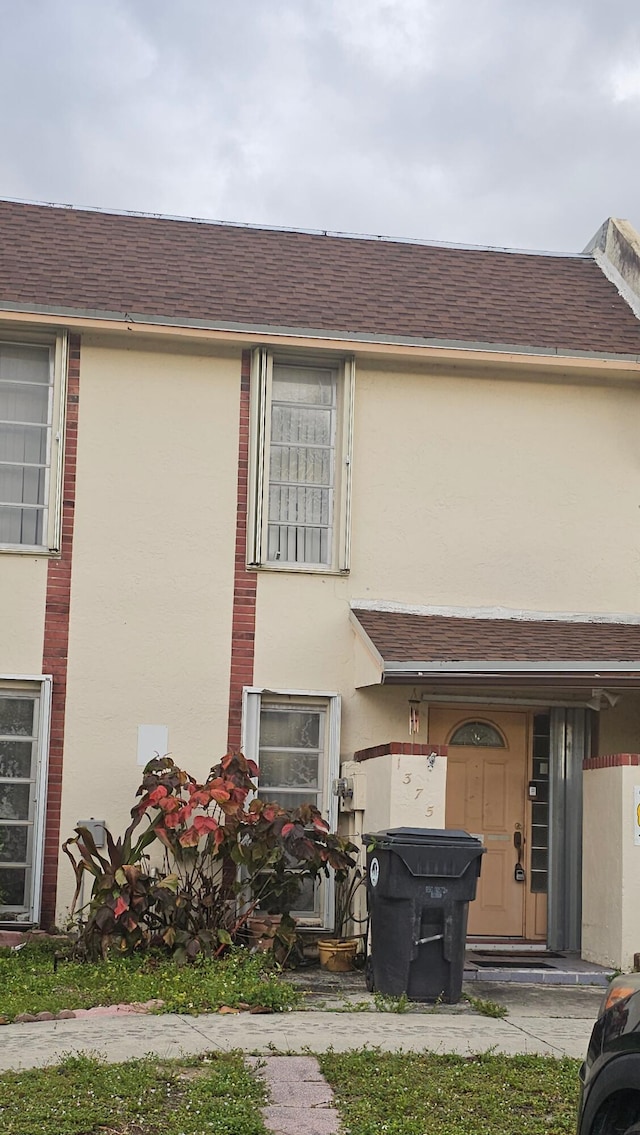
(301, 438)
(31, 407)
(301, 465)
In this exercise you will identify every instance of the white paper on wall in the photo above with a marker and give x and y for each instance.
(153, 741)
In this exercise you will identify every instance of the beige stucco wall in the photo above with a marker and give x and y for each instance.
(152, 586)
(602, 866)
(475, 492)
(467, 492)
(611, 868)
(619, 728)
(23, 589)
(630, 897)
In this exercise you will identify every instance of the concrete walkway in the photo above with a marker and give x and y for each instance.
(300, 1098)
(527, 1029)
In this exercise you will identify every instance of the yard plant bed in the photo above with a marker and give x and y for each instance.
(28, 983)
(410, 1094)
(83, 1096)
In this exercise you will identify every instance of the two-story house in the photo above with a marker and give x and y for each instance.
(368, 509)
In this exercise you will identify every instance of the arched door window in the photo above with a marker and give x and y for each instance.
(478, 733)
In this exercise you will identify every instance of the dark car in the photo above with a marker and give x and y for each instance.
(610, 1076)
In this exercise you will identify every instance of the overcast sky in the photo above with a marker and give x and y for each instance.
(505, 122)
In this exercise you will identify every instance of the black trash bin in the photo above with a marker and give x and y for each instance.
(420, 882)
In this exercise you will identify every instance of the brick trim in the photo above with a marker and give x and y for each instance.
(56, 637)
(613, 760)
(399, 748)
(245, 582)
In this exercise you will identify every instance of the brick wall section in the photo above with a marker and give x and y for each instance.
(245, 582)
(399, 748)
(613, 760)
(56, 637)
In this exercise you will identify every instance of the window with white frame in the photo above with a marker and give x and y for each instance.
(24, 730)
(31, 430)
(301, 441)
(295, 740)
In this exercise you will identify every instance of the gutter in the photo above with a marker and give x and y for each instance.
(258, 332)
(464, 669)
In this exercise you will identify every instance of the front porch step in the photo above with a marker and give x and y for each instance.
(534, 969)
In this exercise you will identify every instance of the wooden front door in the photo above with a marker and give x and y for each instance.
(486, 773)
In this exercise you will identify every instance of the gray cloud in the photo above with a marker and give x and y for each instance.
(484, 121)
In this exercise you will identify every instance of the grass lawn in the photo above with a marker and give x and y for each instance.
(28, 983)
(410, 1094)
(376, 1094)
(83, 1096)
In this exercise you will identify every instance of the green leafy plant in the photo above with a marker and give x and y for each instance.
(225, 853)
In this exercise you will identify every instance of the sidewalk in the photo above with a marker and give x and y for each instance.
(535, 1024)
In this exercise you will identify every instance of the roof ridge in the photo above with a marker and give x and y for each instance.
(378, 238)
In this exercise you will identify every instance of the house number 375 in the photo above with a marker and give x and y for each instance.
(430, 808)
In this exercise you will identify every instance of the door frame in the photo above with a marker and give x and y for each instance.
(534, 921)
(39, 688)
(570, 741)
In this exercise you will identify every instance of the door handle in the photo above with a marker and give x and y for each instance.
(518, 843)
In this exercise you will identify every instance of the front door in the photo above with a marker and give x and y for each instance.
(486, 775)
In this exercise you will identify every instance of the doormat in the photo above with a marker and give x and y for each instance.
(510, 963)
(528, 954)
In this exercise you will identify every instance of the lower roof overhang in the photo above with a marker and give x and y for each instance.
(396, 647)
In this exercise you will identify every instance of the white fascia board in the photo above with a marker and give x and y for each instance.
(488, 613)
(360, 631)
(516, 667)
(131, 319)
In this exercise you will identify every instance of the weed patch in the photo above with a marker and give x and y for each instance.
(487, 1008)
(428, 1094)
(215, 1094)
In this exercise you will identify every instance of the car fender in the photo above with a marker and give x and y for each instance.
(620, 1074)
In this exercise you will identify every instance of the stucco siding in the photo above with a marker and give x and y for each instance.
(481, 493)
(152, 583)
(23, 588)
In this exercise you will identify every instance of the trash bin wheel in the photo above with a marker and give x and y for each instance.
(368, 975)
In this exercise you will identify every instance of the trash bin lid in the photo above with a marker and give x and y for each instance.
(434, 852)
(430, 837)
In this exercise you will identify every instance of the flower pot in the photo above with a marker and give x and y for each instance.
(337, 954)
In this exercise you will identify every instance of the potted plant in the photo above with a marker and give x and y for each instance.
(338, 953)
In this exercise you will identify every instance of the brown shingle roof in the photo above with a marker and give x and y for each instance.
(68, 258)
(401, 637)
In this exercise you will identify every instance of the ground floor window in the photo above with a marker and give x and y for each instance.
(24, 722)
(295, 740)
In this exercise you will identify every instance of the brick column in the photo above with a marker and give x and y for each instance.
(56, 638)
(245, 582)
